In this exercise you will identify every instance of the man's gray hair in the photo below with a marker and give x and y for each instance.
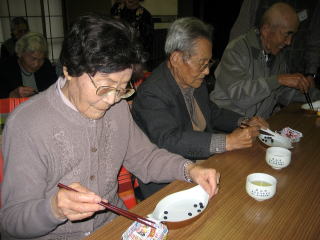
(32, 42)
(183, 32)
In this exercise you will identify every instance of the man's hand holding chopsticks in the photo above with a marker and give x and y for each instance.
(75, 205)
(296, 80)
(257, 122)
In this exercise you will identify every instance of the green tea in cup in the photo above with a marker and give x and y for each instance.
(261, 183)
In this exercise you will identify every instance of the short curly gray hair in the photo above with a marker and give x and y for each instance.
(183, 33)
(32, 42)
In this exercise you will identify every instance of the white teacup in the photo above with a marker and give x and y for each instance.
(278, 157)
(261, 186)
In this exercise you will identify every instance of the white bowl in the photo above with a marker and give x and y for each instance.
(276, 140)
(181, 206)
(261, 186)
(278, 157)
(316, 106)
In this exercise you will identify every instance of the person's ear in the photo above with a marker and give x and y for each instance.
(176, 58)
(265, 30)
(66, 74)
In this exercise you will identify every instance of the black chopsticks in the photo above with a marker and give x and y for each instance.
(117, 210)
(260, 130)
(306, 94)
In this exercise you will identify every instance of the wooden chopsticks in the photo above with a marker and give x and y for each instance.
(306, 94)
(117, 210)
(260, 130)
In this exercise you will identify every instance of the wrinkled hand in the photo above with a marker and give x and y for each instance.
(258, 122)
(296, 80)
(22, 92)
(75, 205)
(208, 178)
(241, 138)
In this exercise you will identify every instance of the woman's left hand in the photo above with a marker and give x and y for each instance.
(208, 178)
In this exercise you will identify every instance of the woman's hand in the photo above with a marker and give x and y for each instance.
(75, 205)
(208, 178)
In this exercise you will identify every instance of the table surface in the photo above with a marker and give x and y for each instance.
(293, 213)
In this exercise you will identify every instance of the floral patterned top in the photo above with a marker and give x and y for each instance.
(140, 19)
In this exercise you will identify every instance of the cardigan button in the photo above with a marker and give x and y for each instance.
(93, 149)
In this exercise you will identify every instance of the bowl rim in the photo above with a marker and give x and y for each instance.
(282, 149)
(264, 176)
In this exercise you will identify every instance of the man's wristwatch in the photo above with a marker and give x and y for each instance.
(310, 75)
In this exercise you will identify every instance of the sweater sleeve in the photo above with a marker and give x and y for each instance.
(26, 211)
(149, 163)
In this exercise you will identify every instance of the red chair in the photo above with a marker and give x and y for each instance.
(138, 82)
(126, 189)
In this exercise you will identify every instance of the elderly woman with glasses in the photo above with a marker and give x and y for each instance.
(30, 71)
(173, 108)
(79, 133)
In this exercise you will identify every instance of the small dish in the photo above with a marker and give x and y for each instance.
(276, 140)
(316, 107)
(181, 206)
(261, 186)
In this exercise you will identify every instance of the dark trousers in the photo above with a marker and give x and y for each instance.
(150, 188)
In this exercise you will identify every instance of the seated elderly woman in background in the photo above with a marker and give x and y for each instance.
(173, 108)
(31, 72)
(79, 132)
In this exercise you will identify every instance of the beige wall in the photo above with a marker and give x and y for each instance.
(161, 7)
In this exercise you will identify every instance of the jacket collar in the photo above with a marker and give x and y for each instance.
(253, 39)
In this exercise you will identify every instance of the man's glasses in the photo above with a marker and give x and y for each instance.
(104, 91)
(204, 66)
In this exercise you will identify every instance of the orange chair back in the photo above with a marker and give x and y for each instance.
(126, 190)
(137, 83)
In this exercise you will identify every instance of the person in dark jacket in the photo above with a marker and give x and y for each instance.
(28, 73)
(173, 108)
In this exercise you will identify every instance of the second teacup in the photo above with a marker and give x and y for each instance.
(278, 157)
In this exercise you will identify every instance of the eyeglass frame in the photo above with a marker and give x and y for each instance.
(202, 67)
(117, 91)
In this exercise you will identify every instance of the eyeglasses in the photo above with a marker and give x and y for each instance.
(206, 65)
(203, 67)
(104, 91)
